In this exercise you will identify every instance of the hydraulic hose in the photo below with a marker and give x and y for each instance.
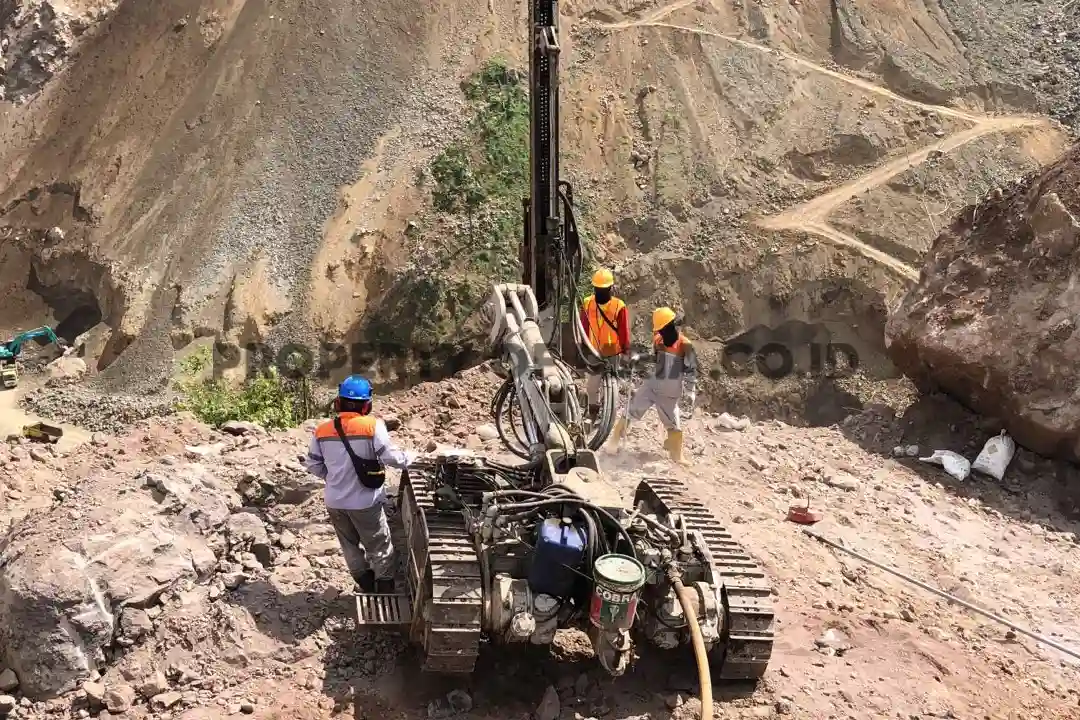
(515, 510)
(700, 654)
(504, 402)
(608, 393)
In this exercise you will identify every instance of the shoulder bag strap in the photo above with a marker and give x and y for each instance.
(362, 467)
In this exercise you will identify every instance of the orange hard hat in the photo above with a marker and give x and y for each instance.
(661, 317)
(603, 278)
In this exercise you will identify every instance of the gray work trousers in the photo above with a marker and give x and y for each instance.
(365, 540)
(592, 388)
(658, 394)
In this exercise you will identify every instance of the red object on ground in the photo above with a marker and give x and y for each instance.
(802, 514)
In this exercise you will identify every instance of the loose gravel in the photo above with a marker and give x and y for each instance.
(94, 411)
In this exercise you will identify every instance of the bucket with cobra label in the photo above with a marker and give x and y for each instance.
(617, 579)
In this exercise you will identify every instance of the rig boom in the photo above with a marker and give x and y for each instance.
(543, 222)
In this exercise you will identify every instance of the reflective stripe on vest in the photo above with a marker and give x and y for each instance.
(601, 334)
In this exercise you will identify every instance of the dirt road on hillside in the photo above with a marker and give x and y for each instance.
(812, 216)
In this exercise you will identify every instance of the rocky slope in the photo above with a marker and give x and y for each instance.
(992, 321)
(253, 171)
(185, 572)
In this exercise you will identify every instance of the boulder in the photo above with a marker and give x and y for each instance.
(70, 581)
(992, 321)
(67, 367)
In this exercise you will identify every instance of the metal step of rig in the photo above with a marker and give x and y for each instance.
(385, 610)
(747, 639)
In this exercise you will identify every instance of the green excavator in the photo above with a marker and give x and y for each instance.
(9, 351)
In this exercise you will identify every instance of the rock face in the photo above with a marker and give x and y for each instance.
(36, 39)
(993, 319)
(74, 577)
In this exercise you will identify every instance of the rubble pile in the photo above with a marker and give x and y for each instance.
(181, 539)
(993, 320)
(94, 411)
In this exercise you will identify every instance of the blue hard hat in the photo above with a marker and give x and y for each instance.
(355, 387)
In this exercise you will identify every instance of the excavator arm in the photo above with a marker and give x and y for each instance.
(13, 347)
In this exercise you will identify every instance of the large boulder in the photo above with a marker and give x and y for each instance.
(74, 576)
(993, 319)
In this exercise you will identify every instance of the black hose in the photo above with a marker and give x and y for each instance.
(504, 402)
(597, 542)
(592, 527)
(519, 511)
(608, 391)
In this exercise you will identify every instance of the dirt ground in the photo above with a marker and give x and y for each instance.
(852, 641)
(13, 418)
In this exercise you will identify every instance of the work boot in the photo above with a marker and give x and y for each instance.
(618, 431)
(366, 581)
(384, 586)
(668, 438)
(674, 445)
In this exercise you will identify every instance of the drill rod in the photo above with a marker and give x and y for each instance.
(946, 596)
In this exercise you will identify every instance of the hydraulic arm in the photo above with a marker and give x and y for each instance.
(542, 389)
(11, 349)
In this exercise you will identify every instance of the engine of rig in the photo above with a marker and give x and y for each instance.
(581, 571)
(556, 555)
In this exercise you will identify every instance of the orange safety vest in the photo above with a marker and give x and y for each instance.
(601, 334)
(678, 349)
(354, 426)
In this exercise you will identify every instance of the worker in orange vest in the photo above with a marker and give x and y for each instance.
(350, 453)
(607, 322)
(673, 383)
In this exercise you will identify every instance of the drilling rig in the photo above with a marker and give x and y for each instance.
(510, 553)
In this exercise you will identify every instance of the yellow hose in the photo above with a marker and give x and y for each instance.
(704, 677)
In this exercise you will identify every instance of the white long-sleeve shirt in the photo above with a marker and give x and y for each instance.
(328, 459)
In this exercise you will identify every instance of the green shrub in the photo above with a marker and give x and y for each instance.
(485, 175)
(477, 183)
(270, 400)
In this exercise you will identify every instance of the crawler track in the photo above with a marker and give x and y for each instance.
(747, 638)
(444, 577)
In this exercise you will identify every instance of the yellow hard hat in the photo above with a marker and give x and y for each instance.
(603, 278)
(661, 317)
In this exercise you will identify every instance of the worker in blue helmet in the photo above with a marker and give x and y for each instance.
(350, 453)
